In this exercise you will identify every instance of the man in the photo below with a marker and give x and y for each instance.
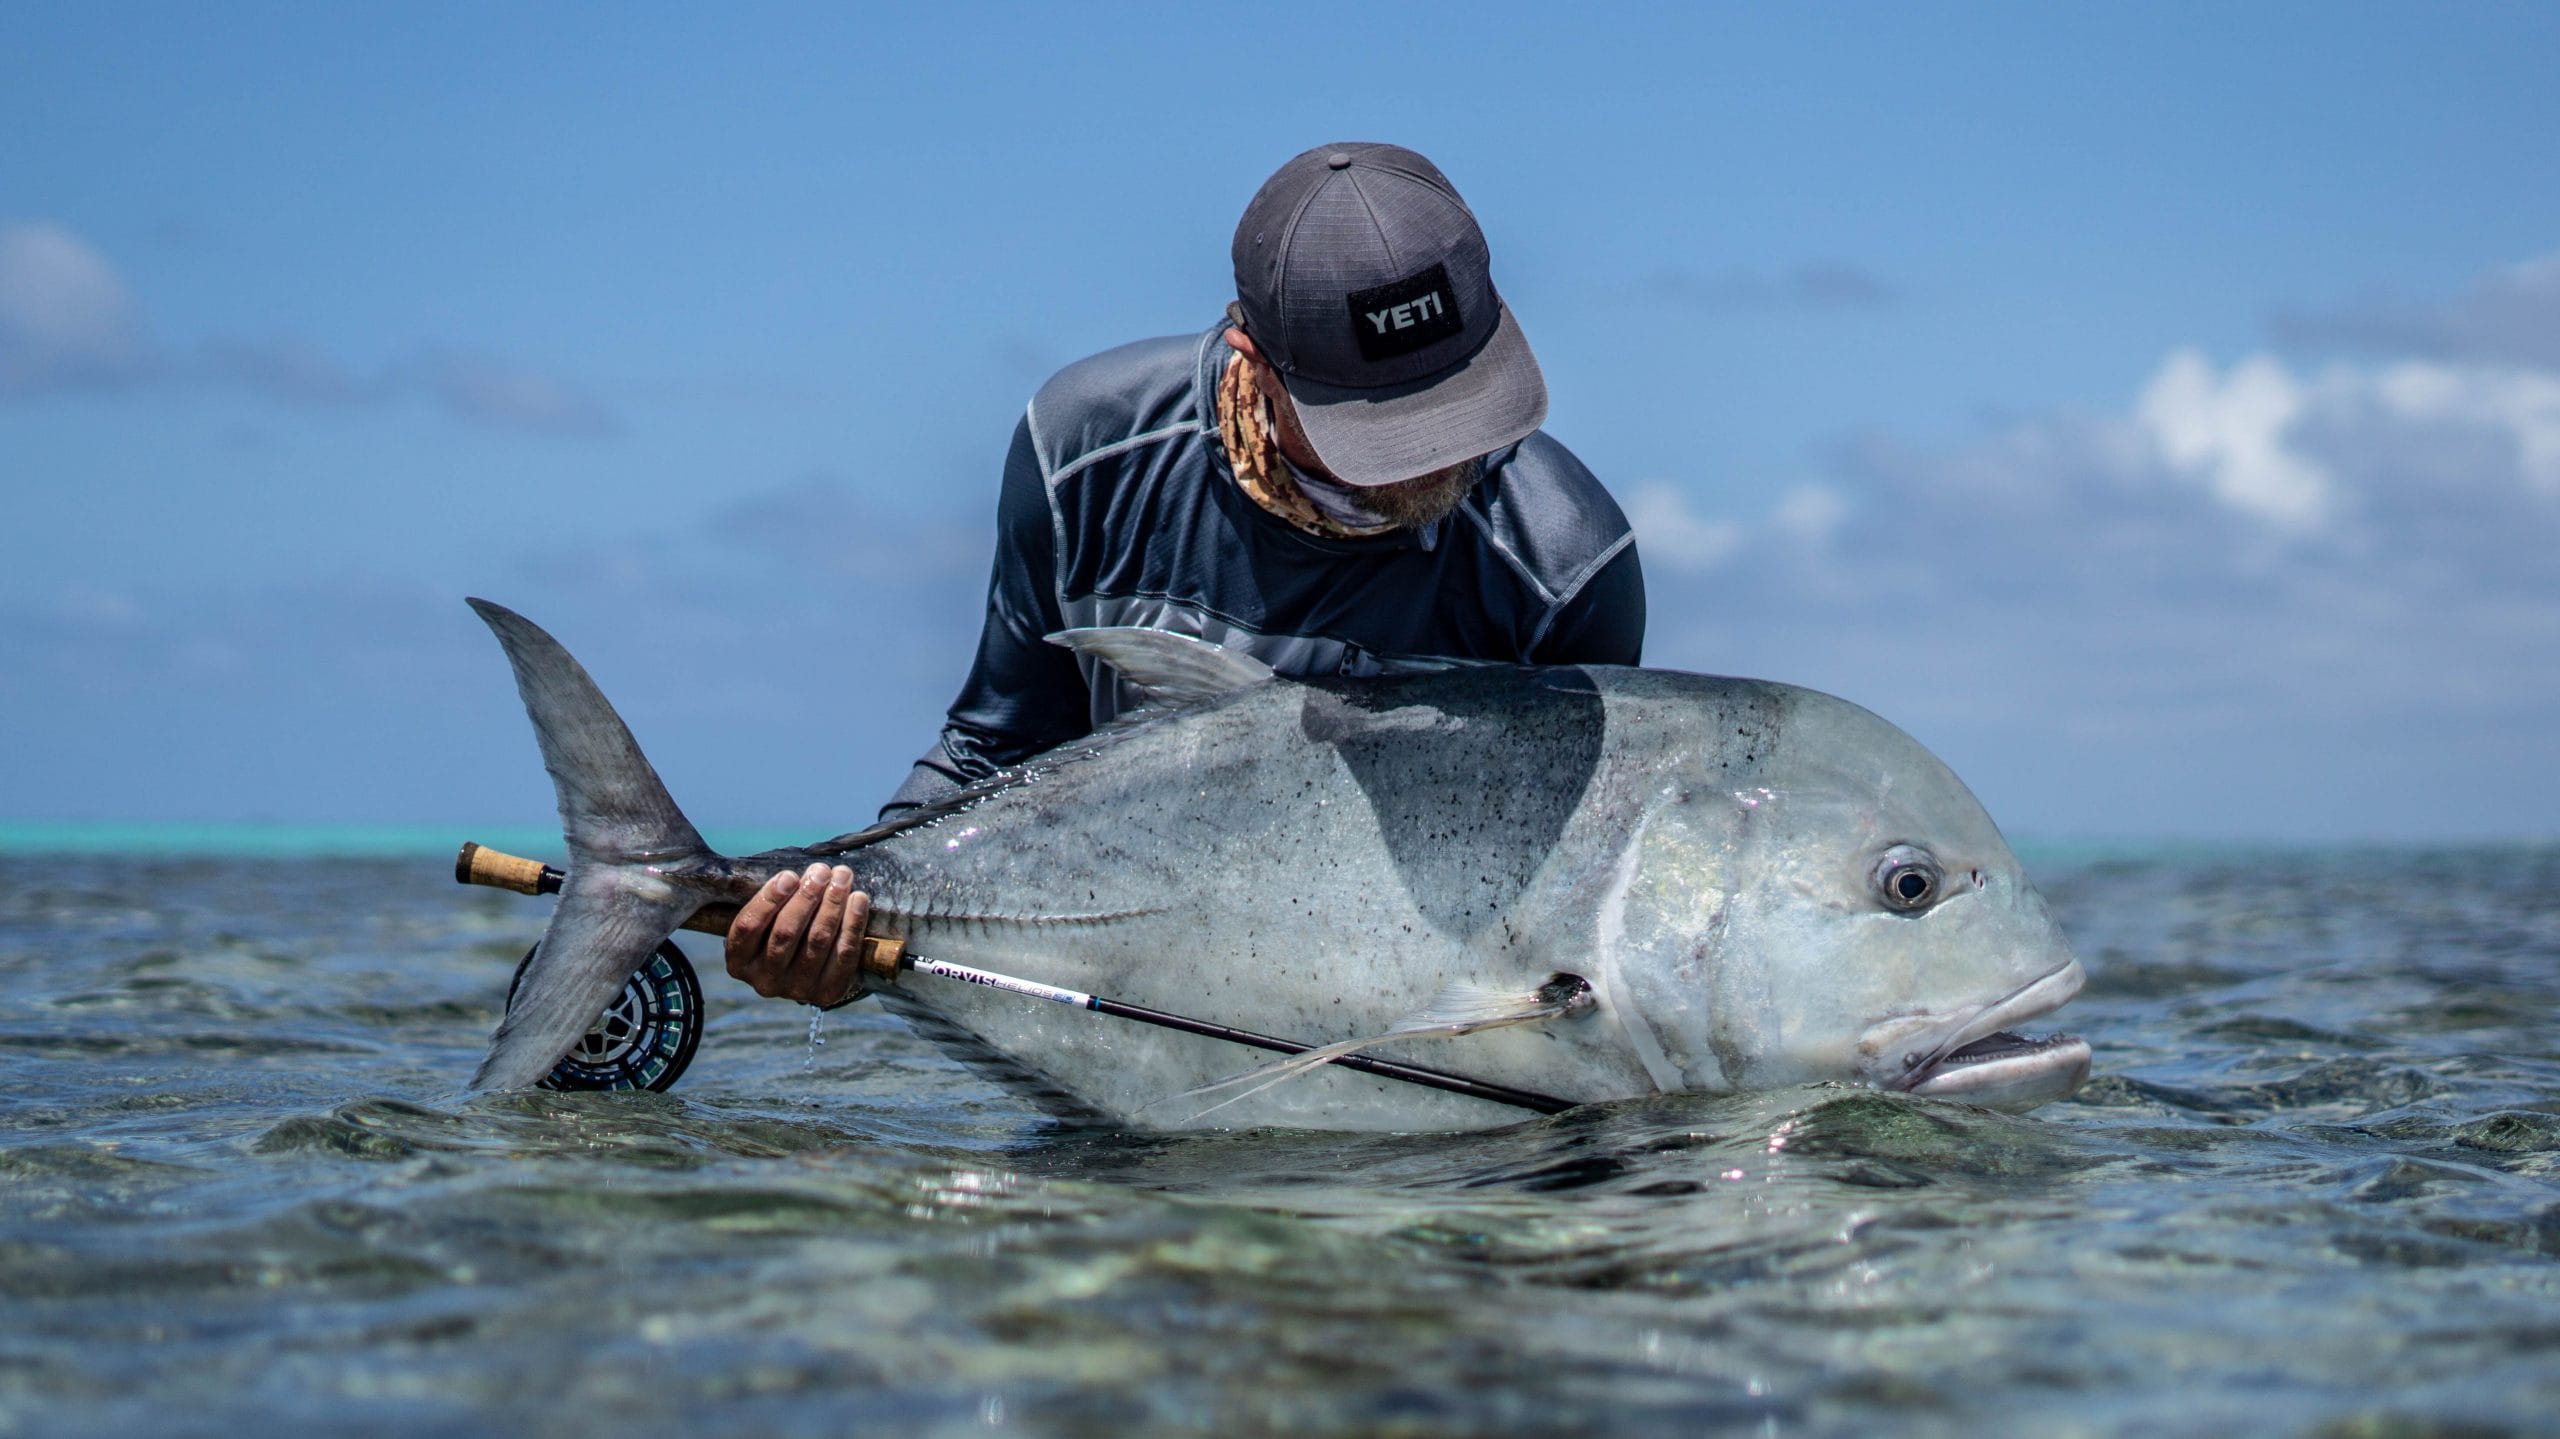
(1342, 478)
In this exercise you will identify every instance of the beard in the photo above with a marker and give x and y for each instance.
(1410, 504)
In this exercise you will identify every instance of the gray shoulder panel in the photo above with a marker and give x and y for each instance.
(1550, 517)
(1115, 401)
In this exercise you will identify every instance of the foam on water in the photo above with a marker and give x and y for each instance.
(2315, 1188)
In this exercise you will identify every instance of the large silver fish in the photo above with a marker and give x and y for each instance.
(1763, 886)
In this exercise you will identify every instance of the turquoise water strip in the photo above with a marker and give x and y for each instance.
(306, 841)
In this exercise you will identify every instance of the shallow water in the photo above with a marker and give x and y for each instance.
(2314, 1189)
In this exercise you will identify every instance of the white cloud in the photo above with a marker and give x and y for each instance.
(289, 370)
(1810, 513)
(2250, 434)
(65, 318)
(68, 321)
(1815, 285)
(471, 385)
(487, 390)
(2230, 432)
(2522, 404)
(2510, 317)
(1670, 536)
(2249, 599)
(333, 693)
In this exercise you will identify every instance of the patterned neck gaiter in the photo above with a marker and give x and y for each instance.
(1246, 428)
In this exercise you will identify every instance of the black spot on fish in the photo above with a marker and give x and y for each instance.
(1471, 775)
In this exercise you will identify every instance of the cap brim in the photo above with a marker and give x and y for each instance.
(1396, 432)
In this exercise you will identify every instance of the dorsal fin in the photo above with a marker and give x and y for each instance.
(1168, 667)
(1172, 669)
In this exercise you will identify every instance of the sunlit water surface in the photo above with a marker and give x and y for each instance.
(2315, 1189)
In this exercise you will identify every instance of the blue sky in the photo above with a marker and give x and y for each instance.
(2154, 409)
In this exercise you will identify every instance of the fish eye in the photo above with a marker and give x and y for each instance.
(1907, 879)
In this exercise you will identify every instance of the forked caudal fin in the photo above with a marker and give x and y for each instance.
(622, 829)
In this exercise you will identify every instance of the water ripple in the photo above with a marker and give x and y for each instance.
(2315, 1189)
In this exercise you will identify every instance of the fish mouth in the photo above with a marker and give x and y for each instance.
(1979, 1059)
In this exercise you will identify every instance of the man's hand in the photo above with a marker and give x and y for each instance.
(800, 938)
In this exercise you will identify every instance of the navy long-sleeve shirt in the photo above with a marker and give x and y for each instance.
(1119, 507)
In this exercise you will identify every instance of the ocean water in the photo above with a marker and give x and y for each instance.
(2314, 1189)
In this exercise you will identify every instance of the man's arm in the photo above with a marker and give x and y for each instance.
(797, 938)
(1023, 694)
(1601, 623)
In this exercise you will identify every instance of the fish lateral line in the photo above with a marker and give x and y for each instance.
(927, 914)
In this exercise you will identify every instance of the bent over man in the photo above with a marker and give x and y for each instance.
(1343, 476)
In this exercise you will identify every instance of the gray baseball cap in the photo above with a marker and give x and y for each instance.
(1365, 281)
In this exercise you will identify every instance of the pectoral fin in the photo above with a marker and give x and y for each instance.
(1168, 668)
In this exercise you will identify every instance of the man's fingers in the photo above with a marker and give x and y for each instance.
(827, 923)
(800, 936)
(745, 949)
(857, 922)
(791, 926)
(843, 974)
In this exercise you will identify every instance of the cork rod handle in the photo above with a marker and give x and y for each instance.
(479, 864)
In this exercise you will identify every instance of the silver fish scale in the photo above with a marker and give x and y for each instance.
(1319, 860)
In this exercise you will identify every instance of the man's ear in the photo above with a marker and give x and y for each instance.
(1242, 343)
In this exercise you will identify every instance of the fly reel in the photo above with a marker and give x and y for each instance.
(644, 1038)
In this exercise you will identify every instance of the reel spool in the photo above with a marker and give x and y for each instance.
(646, 1035)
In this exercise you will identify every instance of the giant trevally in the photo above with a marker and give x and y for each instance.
(1762, 886)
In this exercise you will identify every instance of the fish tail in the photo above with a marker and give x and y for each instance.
(629, 846)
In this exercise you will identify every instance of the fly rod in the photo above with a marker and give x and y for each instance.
(884, 958)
